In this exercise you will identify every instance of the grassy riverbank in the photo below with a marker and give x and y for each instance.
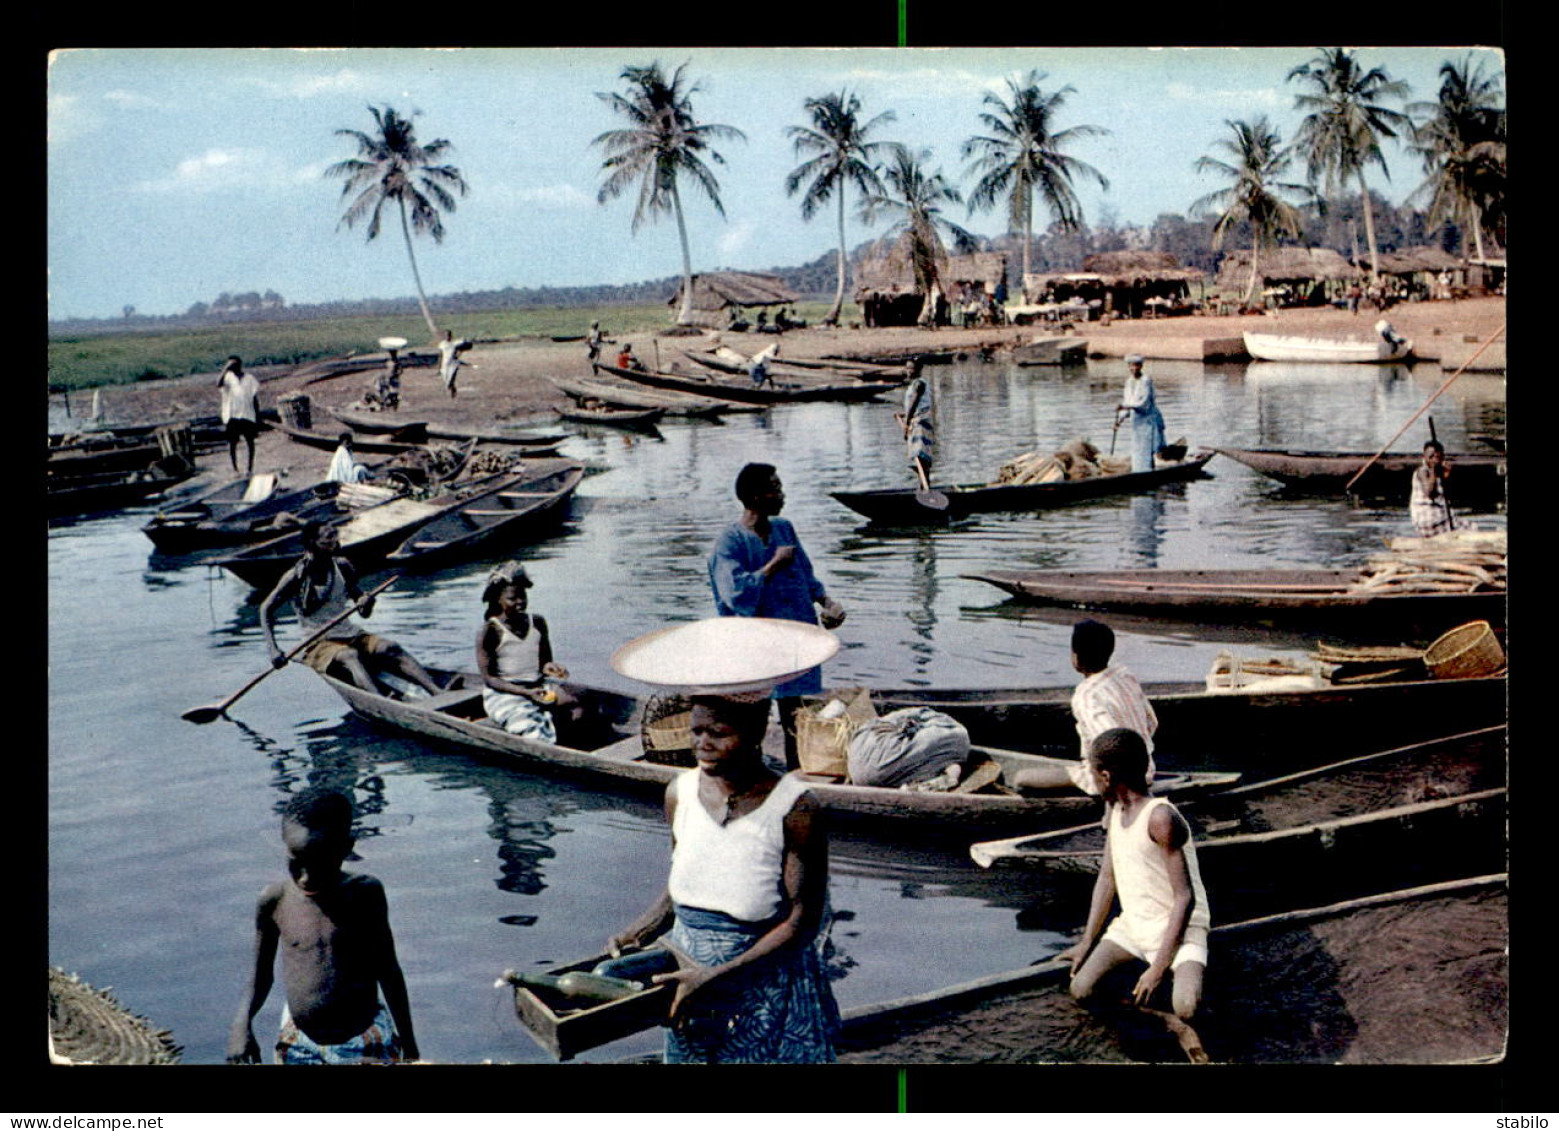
(86, 361)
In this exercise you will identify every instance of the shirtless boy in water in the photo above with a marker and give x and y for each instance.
(346, 996)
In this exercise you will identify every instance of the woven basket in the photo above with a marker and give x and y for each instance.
(1470, 650)
(667, 731)
(823, 745)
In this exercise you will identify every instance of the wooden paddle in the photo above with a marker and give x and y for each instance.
(926, 497)
(213, 711)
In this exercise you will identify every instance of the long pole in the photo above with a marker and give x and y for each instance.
(1425, 407)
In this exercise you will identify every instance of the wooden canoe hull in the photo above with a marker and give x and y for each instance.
(1306, 596)
(632, 396)
(1051, 351)
(366, 536)
(1284, 347)
(110, 490)
(900, 507)
(1252, 730)
(528, 503)
(746, 392)
(1279, 996)
(1475, 478)
(637, 418)
(615, 761)
(1455, 765)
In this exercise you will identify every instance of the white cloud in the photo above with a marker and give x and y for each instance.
(1259, 98)
(217, 170)
(550, 197)
(342, 81)
(130, 100)
(736, 238)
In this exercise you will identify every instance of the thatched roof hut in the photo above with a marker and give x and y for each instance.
(1411, 260)
(1292, 265)
(1135, 268)
(716, 293)
(885, 282)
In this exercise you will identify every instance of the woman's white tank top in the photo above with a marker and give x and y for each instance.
(519, 660)
(735, 868)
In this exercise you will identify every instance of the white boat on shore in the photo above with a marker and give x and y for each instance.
(1285, 347)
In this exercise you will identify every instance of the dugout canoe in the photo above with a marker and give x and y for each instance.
(626, 395)
(1305, 596)
(743, 391)
(639, 419)
(1475, 478)
(1353, 789)
(1330, 351)
(730, 361)
(1271, 731)
(232, 515)
(110, 490)
(366, 536)
(901, 506)
(1428, 963)
(609, 752)
(528, 504)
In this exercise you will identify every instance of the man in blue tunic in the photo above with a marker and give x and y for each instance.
(759, 569)
(1140, 406)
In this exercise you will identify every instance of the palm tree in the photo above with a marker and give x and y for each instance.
(1341, 132)
(663, 141)
(840, 156)
(392, 166)
(1462, 143)
(913, 197)
(1022, 156)
(1258, 161)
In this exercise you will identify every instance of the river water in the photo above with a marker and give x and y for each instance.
(161, 833)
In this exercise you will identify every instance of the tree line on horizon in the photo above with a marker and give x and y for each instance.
(1308, 190)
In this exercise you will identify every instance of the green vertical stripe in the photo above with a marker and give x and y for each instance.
(903, 1073)
(903, 42)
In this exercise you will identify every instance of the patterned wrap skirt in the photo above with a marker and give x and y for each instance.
(783, 1013)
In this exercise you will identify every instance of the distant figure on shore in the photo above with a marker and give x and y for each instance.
(321, 586)
(450, 361)
(240, 409)
(758, 366)
(593, 342)
(1389, 333)
(1427, 505)
(1150, 863)
(344, 467)
(1140, 406)
(385, 392)
(346, 999)
(626, 358)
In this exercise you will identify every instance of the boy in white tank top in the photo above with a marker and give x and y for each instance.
(1150, 863)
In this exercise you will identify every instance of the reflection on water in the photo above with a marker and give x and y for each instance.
(489, 868)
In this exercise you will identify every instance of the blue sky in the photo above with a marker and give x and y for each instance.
(175, 175)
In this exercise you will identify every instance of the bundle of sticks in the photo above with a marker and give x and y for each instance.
(1076, 460)
(1459, 561)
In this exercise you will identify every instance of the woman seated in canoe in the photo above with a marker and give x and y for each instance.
(744, 906)
(514, 657)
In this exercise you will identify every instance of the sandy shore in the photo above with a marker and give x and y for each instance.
(508, 381)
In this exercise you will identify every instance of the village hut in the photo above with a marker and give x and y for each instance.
(1075, 294)
(1138, 283)
(888, 296)
(1289, 276)
(722, 297)
(1422, 272)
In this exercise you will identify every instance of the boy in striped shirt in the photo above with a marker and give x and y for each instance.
(1108, 696)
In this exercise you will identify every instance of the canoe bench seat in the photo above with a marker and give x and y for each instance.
(523, 494)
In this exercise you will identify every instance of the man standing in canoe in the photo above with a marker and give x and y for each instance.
(1140, 406)
(918, 422)
(240, 409)
(759, 569)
